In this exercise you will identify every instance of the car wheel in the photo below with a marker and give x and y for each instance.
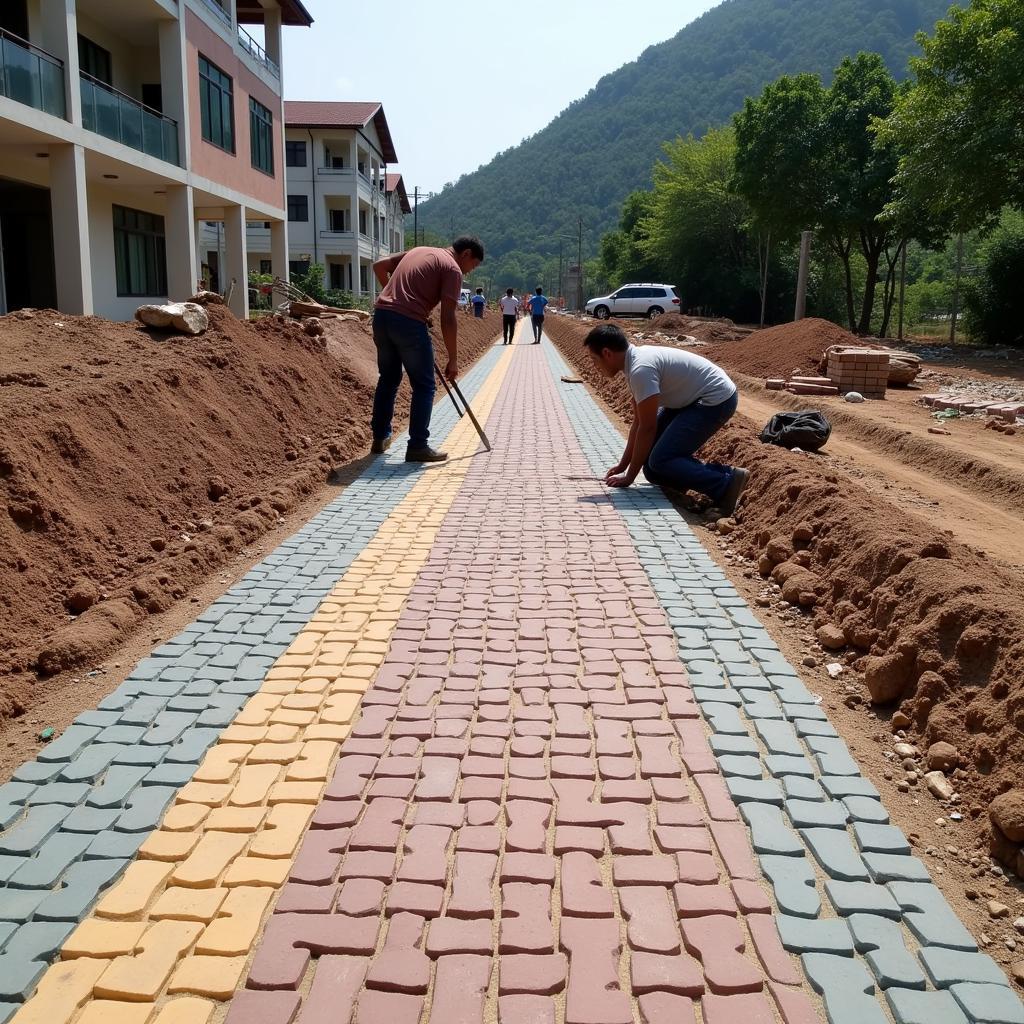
(654, 311)
(601, 312)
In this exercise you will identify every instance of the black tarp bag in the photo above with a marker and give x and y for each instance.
(808, 430)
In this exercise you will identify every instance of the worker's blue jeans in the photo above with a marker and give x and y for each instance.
(681, 432)
(403, 343)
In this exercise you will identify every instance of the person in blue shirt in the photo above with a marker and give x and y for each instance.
(537, 303)
(479, 302)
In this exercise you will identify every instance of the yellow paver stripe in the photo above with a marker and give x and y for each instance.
(204, 881)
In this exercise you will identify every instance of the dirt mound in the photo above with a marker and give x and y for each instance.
(931, 626)
(133, 463)
(781, 351)
(710, 331)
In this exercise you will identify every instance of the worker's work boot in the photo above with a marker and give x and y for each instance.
(424, 455)
(734, 490)
(380, 445)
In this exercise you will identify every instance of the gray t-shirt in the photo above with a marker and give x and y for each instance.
(681, 378)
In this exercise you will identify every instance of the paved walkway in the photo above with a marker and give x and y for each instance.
(483, 742)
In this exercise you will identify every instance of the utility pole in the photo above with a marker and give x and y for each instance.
(801, 281)
(764, 275)
(956, 287)
(579, 262)
(903, 282)
(559, 296)
(415, 216)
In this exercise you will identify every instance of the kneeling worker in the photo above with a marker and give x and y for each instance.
(413, 283)
(679, 401)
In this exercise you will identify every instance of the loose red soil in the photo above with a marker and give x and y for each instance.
(936, 623)
(135, 463)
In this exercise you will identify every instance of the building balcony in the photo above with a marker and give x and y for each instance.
(257, 52)
(116, 116)
(219, 10)
(31, 76)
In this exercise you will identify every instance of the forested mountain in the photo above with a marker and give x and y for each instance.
(585, 162)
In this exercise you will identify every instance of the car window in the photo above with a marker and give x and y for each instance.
(675, 292)
(629, 293)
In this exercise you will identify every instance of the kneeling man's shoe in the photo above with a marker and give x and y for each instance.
(425, 455)
(734, 490)
(380, 445)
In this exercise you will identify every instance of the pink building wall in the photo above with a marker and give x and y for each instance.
(233, 170)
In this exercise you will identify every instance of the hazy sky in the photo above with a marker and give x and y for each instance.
(462, 81)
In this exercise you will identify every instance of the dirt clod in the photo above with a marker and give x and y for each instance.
(1007, 814)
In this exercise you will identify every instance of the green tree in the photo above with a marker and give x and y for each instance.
(993, 301)
(624, 252)
(960, 126)
(697, 227)
(809, 157)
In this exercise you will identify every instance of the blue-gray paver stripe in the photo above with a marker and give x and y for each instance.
(77, 814)
(746, 688)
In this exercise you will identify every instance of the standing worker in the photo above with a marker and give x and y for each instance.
(509, 312)
(537, 303)
(679, 401)
(413, 283)
(479, 302)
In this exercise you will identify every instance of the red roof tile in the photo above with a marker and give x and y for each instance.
(323, 114)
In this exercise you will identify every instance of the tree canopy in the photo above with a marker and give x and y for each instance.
(960, 126)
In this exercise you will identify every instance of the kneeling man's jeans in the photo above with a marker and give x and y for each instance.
(681, 432)
(403, 342)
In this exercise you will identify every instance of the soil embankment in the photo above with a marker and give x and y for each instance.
(133, 464)
(926, 625)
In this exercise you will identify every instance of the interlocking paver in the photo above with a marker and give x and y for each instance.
(515, 676)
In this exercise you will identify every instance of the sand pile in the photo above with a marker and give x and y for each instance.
(931, 627)
(133, 464)
(782, 351)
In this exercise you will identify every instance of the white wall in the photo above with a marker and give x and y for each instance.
(101, 231)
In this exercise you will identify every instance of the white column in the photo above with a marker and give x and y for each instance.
(236, 260)
(58, 23)
(279, 248)
(180, 234)
(174, 81)
(272, 33)
(69, 204)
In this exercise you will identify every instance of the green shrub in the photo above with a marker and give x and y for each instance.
(994, 300)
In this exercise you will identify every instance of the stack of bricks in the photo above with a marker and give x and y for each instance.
(804, 386)
(1008, 411)
(859, 369)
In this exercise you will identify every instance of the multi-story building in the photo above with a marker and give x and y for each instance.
(344, 209)
(124, 124)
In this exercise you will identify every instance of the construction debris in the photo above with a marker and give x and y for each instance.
(858, 369)
(299, 305)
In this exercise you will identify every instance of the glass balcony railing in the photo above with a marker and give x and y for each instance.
(115, 116)
(30, 75)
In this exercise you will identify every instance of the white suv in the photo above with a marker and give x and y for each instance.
(648, 300)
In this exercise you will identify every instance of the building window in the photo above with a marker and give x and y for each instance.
(140, 256)
(216, 104)
(94, 60)
(337, 220)
(363, 223)
(295, 154)
(261, 136)
(337, 276)
(298, 268)
(266, 267)
(298, 208)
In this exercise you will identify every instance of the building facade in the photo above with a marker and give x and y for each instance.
(345, 210)
(124, 124)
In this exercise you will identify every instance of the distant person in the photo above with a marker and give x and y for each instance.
(509, 314)
(537, 303)
(479, 302)
(679, 401)
(413, 283)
